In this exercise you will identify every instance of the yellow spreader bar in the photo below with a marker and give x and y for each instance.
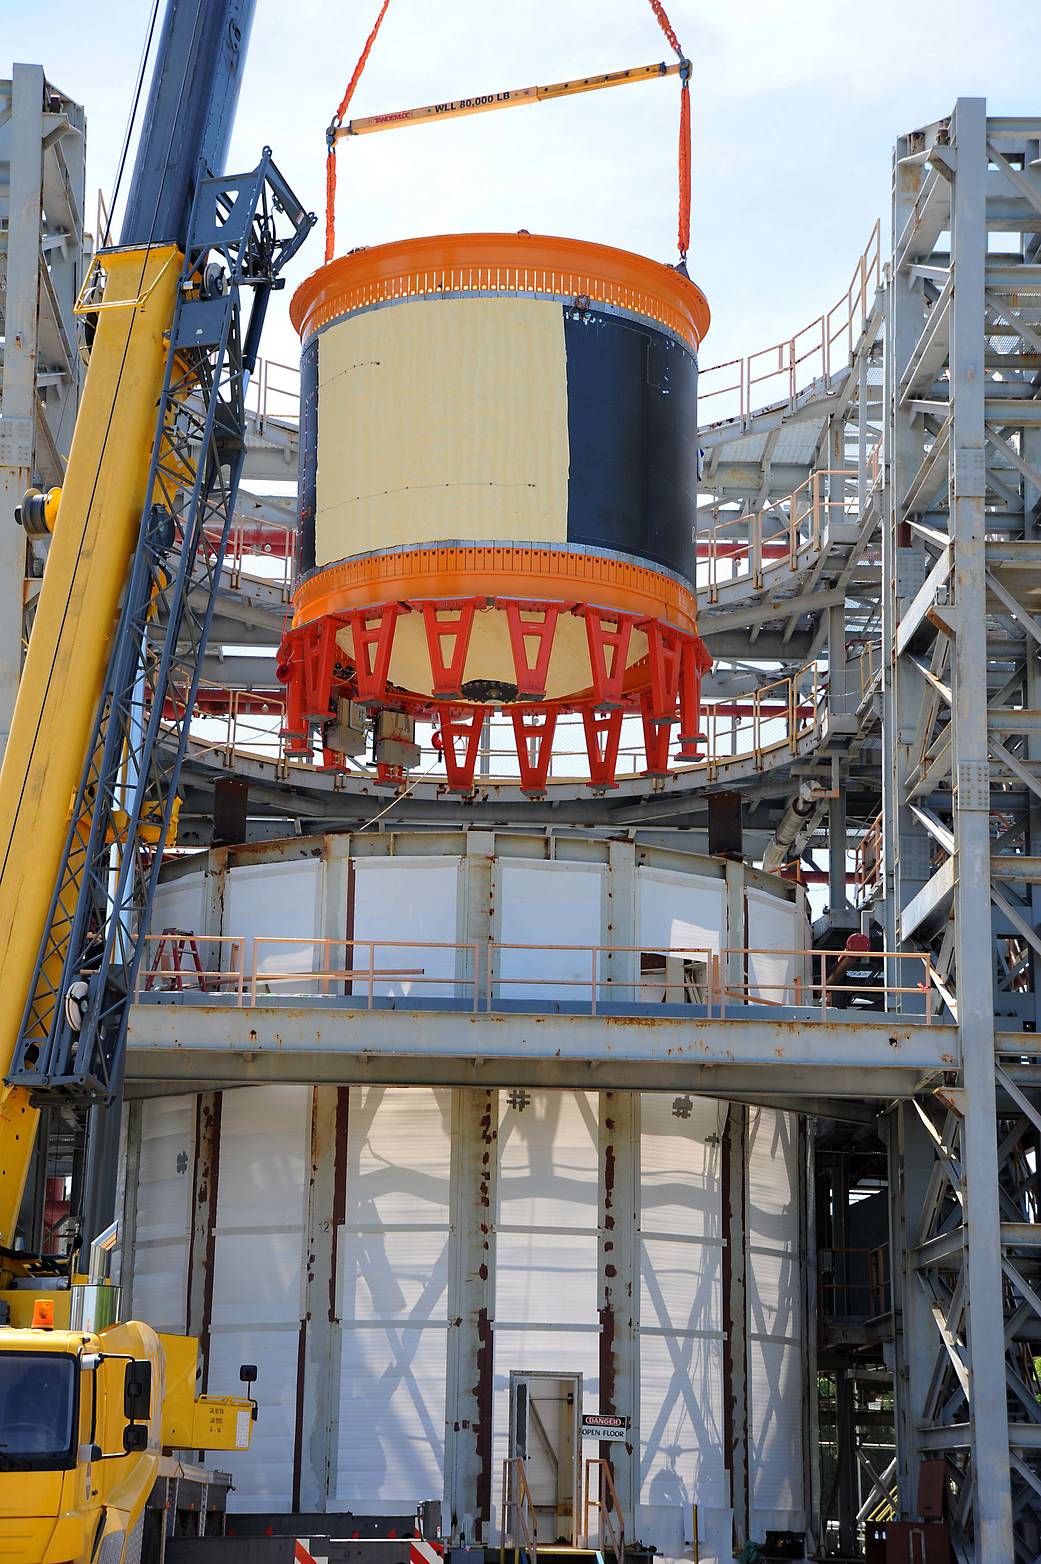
(456, 108)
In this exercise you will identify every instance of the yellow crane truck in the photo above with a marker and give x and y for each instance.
(90, 1406)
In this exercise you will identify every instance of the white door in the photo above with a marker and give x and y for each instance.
(545, 1409)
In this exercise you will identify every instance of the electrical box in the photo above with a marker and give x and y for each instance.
(347, 733)
(395, 740)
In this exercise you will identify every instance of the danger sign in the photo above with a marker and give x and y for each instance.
(604, 1425)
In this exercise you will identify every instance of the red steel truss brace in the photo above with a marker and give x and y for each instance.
(461, 723)
(603, 736)
(533, 729)
(665, 647)
(373, 644)
(447, 675)
(656, 736)
(695, 662)
(531, 676)
(317, 659)
(607, 632)
(306, 659)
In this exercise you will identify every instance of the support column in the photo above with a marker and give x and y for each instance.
(973, 931)
(735, 1316)
(618, 1290)
(18, 404)
(915, 1345)
(202, 1237)
(473, 1193)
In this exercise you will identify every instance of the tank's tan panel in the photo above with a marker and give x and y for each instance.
(442, 420)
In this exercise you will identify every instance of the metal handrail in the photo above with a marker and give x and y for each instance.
(776, 536)
(814, 979)
(518, 1504)
(814, 353)
(611, 1522)
(770, 723)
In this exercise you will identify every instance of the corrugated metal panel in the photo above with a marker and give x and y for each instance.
(548, 1161)
(392, 1298)
(548, 904)
(279, 900)
(678, 911)
(774, 1323)
(681, 1331)
(178, 905)
(258, 1277)
(392, 1416)
(546, 1242)
(545, 1278)
(773, 925)
(163, 1212)
(413, 899)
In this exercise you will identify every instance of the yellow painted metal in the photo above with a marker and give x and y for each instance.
(442, 421)
(101, 504)
(206, 1422)
(483, 103)
(53, 1517)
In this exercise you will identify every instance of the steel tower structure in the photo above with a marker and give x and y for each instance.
(961, 793)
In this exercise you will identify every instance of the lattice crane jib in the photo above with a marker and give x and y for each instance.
(243, 230)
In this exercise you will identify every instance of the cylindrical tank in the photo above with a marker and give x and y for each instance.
(498, 476)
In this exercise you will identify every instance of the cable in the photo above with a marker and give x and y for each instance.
(330, 136)
(130, 124)
(399, 796)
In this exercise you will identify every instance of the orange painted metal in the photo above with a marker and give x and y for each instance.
(521, 263)
(482, 570)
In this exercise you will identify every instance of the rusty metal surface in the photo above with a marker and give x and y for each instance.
(204, 1044)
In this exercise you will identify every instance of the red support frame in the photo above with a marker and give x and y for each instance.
(373, 644)
(531, 676)
(446, 674)
(603, 732)
(656, 737)
(607, 633)
(665, 648)
(696, 661)
(461, 724)
(533, 730)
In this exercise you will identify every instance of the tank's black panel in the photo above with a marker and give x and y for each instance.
(308, 451)
(633, 432)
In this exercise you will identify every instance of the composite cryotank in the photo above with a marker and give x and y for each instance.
(498, 480)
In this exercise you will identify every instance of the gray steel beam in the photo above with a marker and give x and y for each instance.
(176, 1036)
(992, 1496)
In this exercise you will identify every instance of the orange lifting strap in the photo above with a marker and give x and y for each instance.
(331, 135)
(683, 235)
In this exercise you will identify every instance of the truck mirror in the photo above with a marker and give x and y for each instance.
(135, 1437)
(137, 1390)
(248, 1373)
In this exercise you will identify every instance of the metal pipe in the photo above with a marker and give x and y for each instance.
(796, 824)
(100, 1250)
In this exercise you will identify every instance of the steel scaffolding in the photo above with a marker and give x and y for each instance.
(961, 789)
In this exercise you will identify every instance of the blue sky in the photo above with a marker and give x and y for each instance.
(796, 107)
